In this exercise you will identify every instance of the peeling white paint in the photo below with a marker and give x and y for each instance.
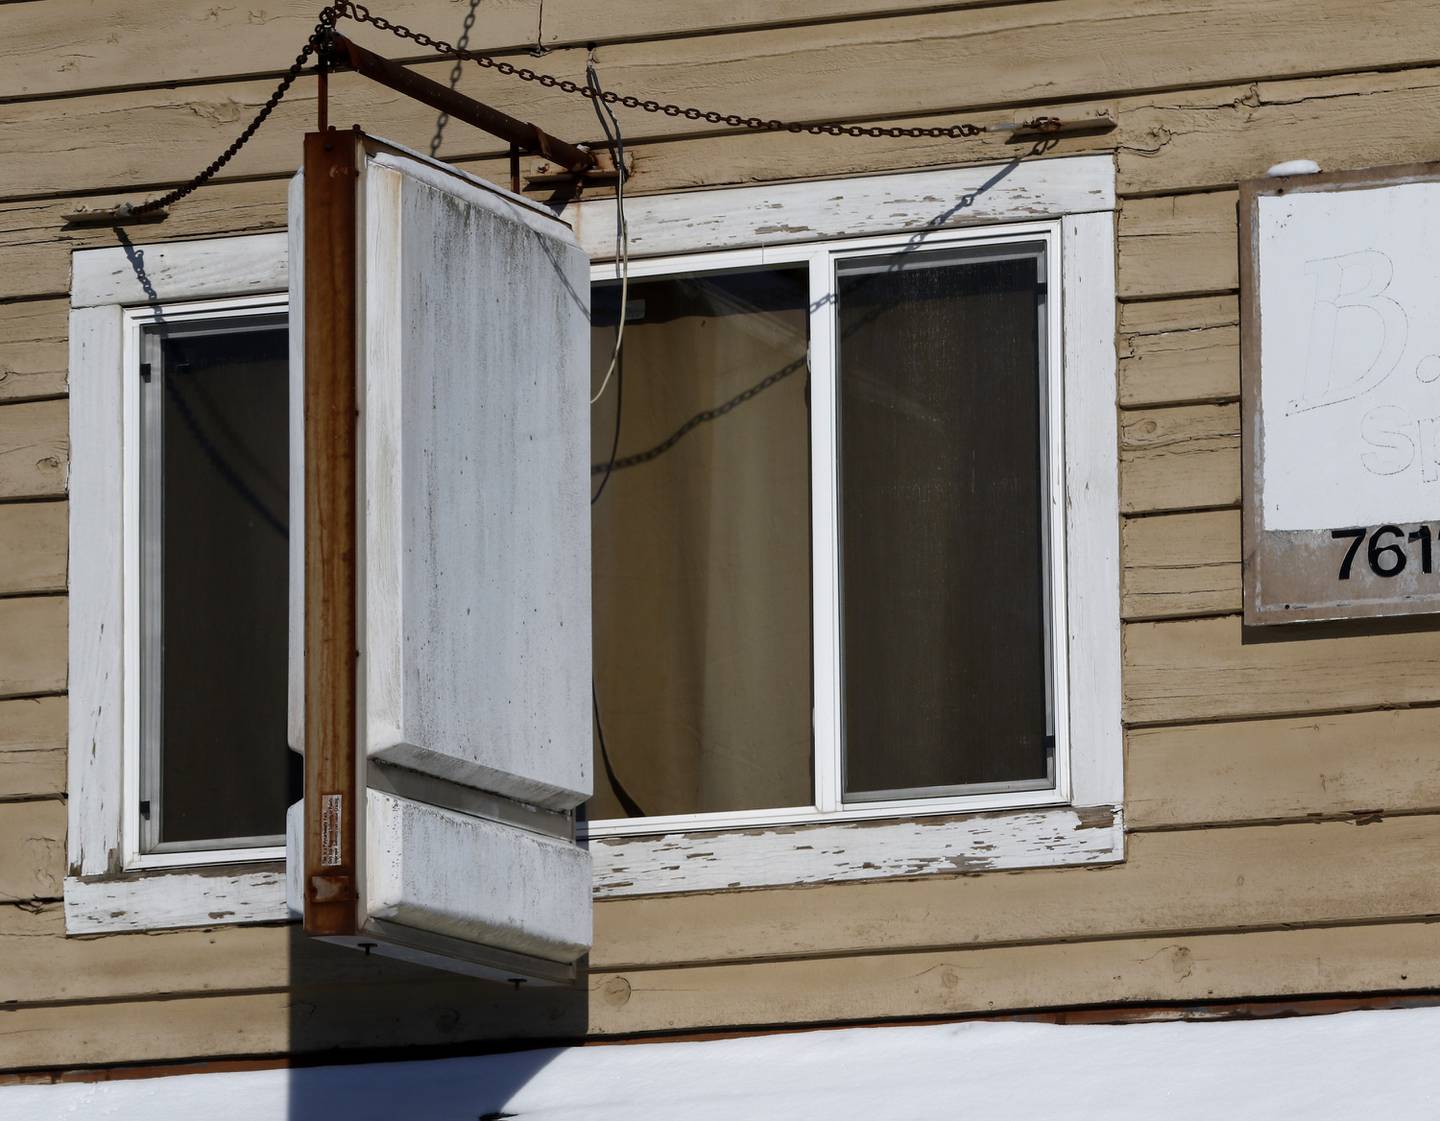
(777, 213)
(872, 850)
(168, 900)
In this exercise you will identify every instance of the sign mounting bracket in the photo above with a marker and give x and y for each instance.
(341, 54)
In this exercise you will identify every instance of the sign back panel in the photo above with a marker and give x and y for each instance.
(1340, 372)
(440, 581)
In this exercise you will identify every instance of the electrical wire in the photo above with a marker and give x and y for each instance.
(627, 803)
(622, 228)
(617, 369)
(608, 468)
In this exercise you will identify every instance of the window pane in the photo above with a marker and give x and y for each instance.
(702, 546)
(943, 535)
(215, 415)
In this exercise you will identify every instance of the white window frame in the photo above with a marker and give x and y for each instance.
(822, 260)
(111, 884)
(135, 759)
(1068, 202)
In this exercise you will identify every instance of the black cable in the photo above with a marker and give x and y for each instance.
(616, 140)
(609, 467)
(615, 440)
(627, 803)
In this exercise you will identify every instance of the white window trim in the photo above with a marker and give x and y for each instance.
(1081, 820)
(110, 885)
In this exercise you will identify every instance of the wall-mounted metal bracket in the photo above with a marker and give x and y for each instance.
(603, 174)
(341, 53)
(1039, 128)
(122, 215)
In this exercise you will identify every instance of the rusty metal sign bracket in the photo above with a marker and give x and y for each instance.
(341, 54)
(1041, 128)
(605, 173)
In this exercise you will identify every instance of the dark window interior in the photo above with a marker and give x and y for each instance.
(215, 607)
(943, 539)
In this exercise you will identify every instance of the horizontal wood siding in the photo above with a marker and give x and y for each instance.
(1356, 763)
(1211, 139)
(1180, 564)
(1179, 352)
(954, 981)
(1210, 669)
(52, 55)
(32, 748)
(32, 837)
(1178, 245)
(32, 644)
(34, 450)
(33, 539)
(1184, 458)
(939, 983)
(32, 334)
(1283, 792)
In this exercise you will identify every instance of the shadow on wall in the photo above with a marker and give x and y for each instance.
(346, 1006)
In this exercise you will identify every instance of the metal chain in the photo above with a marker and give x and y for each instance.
(362, 14)
(316, 45)
(317, 39)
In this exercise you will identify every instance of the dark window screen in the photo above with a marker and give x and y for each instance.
(214, 584)
(942, 506)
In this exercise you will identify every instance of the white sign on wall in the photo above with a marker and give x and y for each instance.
(1341, 394)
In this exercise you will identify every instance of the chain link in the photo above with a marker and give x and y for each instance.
(362, 14)
(315, 43)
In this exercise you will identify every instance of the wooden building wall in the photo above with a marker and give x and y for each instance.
(1284, 796)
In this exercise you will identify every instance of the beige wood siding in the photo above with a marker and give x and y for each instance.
(1283, 795)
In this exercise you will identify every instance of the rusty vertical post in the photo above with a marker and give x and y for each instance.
(332, 797)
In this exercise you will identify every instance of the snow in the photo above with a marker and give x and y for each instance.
(1366, 1064)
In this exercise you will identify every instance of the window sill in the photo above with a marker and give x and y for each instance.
(794, 855)
(166, 900)
(673, 863)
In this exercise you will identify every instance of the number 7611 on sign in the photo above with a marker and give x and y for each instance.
(1387, 551)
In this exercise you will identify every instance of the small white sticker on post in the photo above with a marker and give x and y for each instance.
(331, 808)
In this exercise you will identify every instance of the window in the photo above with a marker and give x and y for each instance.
(855, 561)
(208, 572)
(910, 456)
(947, 495)
(179, 514)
